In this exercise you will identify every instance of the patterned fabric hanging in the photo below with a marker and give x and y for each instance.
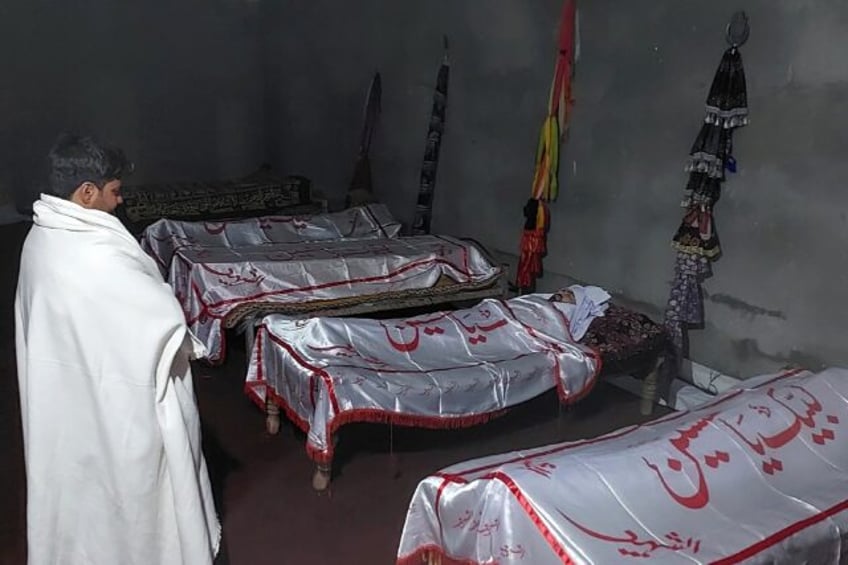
(545, 179)
(427, 185)
(711, 156)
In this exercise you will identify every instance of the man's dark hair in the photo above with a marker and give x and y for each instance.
(76, 159)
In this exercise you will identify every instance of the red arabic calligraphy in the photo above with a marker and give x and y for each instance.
(473, 522)
(468, 521)
(410, 331)
(793, 407)
(231, 278)
(681, 444)
(545, 468)
(472, 329)
(509, 552)
(786, 401)
(404, 390)
(350, 352)
(297, 222)
(636, 547)
(404, 345)
(472, 385)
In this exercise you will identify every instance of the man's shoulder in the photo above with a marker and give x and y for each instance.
(68, 249)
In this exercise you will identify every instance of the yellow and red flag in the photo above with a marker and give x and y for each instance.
(546, 176)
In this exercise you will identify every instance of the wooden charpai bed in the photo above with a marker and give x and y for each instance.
(229, 273)
(224, 287)
(441, 370)
(164, 237)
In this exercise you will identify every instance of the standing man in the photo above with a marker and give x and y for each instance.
(115, 472)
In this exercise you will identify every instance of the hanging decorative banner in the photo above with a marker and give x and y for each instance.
(696, 240)
(361, 189)
(427, 186)
(546, 177)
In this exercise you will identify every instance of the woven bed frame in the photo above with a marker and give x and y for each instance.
(445, 290)
(247, 317)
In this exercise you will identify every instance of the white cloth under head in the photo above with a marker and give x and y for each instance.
(590, 302)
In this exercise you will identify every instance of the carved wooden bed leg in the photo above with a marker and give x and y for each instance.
(321, 477)
(650, 387)
(324, 471)
(649, 392)
(248, 327)
(433, 558)
(272, 416)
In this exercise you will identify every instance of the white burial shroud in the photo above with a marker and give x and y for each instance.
(211, 283)
(447, 369)
(165, 237)
(759, 475)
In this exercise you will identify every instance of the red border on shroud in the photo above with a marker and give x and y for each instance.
(240, 301)
(231, 303)
(380, 416)
(438, 260)
(781, 535)
(615, 434)
(743, 554)
(422, 555)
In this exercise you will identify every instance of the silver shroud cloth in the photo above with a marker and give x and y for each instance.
(211, 283)
(759, 475)
(442, 370)
(165, 237)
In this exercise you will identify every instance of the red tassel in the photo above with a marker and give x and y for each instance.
(532, 251)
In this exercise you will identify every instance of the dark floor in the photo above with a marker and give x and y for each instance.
(270, 513)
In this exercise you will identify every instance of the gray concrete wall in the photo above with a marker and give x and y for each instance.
(779, 293)
(209, 89)
(177, 84)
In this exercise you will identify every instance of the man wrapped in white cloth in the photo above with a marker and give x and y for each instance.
(115, 472)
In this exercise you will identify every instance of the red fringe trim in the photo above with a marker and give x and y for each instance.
(364, 415)
(534, 516)
(251, 390)
(380, 416)
(533, 248)
(569, 399)
(377, 416)
(434, 554)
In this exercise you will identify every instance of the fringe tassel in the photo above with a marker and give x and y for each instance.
(433, 555)
(378, 416)
(364, 415)
(533, 248)
(533, 245)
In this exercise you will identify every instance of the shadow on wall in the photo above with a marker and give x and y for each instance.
(176, 85)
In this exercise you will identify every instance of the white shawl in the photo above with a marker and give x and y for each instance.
(115, 472)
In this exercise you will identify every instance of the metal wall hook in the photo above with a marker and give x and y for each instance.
(737, 30)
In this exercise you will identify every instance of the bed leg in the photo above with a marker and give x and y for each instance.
(432, 558)
(324, 471)
(649, 390)
(272, 416)
(321, 477)
(249, 336)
